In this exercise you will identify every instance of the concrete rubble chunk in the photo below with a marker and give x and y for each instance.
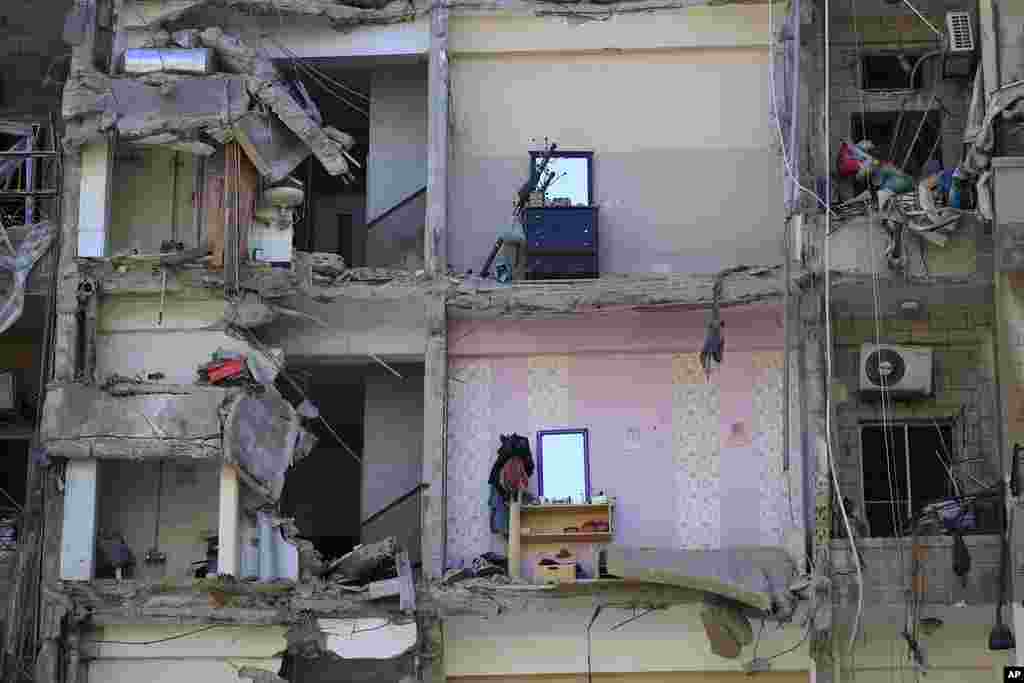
(266, 84)
(274, 149)
(95, 104)
(757, 577)
(348, 12)
(259, 675)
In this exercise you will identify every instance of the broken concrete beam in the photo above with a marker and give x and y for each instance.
(271, 147)
(146, 389)
(95, 104)
(266, 84)
(259, 675)
(555, 299)
(388, 588)
(489, 598)
(757, 577)
(150, 13)
(363, 562)
(177, 143)
(81, 421)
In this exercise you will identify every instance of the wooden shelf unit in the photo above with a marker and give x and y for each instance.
(571, 537)
(547, 522)
(539, 529)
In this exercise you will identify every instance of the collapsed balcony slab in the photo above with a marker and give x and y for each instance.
(81, 421)
(94, 104)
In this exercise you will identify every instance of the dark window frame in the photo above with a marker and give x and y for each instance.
(877, 62)
(586, 457)
(902, 427)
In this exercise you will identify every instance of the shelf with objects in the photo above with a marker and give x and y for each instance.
(554, 535)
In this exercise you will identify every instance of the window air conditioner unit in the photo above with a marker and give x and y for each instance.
(961, 37)
(902, 370)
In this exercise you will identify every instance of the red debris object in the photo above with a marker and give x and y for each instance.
(226, 370)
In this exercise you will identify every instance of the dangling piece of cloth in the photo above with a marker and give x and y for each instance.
(714, 337)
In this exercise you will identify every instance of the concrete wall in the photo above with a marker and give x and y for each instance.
(887, 564)
(661, 643)
(393, 454)
(188, 511)
(142, 198)
(214, 656)
(692, 463)
(858, 246)
(397, 164)
(685, 183)
(962, 340)
(390, 328)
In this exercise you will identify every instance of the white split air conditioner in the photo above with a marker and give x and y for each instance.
(902, 370)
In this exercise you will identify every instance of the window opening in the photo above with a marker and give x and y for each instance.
(880, 127)
(915, 454)
(890, 72)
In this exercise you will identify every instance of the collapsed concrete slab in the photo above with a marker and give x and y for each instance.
(261, 435)
(148, 14)
(169, 109)
(273, 148)
(758, 577)
(170, 112)
(83, 421)
(266, 84)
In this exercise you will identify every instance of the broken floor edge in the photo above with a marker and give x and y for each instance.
(353, 14)
(107, 602)
(469, 299)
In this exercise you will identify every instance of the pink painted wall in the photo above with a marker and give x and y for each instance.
(747, 328)
(680, 480)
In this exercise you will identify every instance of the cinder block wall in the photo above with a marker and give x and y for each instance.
(964, 377)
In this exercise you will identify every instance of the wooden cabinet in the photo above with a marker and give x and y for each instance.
(544, 530)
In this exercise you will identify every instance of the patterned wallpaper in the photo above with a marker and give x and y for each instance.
(725, 470)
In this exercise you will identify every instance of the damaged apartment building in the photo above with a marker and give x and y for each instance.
(525, 340)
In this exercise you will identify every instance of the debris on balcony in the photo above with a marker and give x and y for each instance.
(171, 95)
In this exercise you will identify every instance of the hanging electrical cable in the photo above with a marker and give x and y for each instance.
(828, 334)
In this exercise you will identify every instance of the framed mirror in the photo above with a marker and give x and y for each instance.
(573, 180)
(563, 464)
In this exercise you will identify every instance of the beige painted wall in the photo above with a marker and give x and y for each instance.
(142, 197)
(188, 510)
(666, 641)
(683, 167)
(213, 656)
